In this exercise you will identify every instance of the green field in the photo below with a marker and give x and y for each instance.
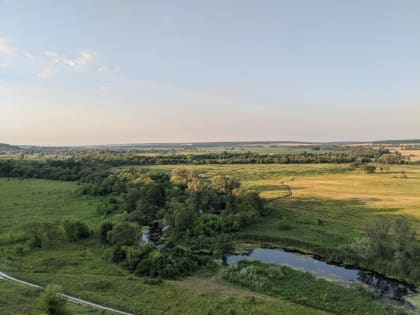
(329, 206)
(26, 201)
(18, 299)
(82, 270)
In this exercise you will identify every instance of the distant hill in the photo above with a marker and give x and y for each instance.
(407, 141)
(8, 147)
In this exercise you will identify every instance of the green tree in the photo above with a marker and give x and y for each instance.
(378, 233)
(124, 233)
(103, 233)
(181, 216)
(43, 234)
(369, 169)
(51, 303)
(76, 230)
(404, 243)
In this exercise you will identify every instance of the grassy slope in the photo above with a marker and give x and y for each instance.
(18, 299)
(26, 201)
(82, 271)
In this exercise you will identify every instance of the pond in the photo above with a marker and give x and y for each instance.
(384, 287)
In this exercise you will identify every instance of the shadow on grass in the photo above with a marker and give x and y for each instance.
(316, 224)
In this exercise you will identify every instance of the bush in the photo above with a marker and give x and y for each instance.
(124, 234)
(76, 230)
(20, 250)
(284, 226)
(50, 303)
(153, 281)
(369, 169)
(42, 234)
(103, 232)
(118, 254)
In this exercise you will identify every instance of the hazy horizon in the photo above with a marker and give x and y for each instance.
(108, 72)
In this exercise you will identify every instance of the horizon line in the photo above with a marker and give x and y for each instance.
(216, 142)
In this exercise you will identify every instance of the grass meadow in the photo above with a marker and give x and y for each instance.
(82, 269)
(16, 299)
(329, 206)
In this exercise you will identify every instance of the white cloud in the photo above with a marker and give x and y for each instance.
(6, 47)
(55, 56)
(104, 88)
(5, 65)
(84, 58)
(47, 73)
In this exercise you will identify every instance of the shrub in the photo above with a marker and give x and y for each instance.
(153, 281)
(20, 250)
(124, 233)
(76, 230)
(118, 254)
(103, 232)
(51, 303)
(284, 226)
(42, 234)
(369, 169)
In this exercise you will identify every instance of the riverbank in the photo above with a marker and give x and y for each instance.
(306, 289)
(245, 247)
(384, 288)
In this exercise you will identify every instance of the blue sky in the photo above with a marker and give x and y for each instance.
(92, 72)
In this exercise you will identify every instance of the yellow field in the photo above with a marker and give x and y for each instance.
(386, 191)
(396, 191)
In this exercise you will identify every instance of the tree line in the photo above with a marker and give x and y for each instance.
(81, 167)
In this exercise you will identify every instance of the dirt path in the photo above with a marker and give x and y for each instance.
(4, 276)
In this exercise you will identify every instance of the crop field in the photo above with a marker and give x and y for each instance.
(82, 269)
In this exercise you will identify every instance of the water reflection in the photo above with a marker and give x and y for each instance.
(384, 287)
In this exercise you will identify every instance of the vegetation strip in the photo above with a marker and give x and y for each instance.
(303, 288)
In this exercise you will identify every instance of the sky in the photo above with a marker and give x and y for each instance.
(108, 72)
